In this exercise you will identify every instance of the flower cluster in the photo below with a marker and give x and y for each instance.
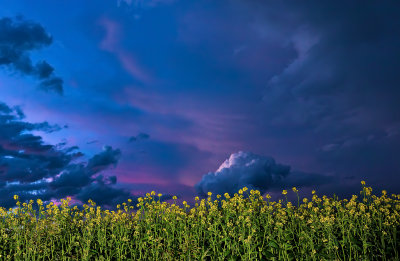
(251, 228)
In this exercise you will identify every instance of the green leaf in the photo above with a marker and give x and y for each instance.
(268, 254)
(273, 244)
(288, 246)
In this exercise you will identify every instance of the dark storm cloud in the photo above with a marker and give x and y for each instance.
(28, 159)
(24, 191)
(143, 136)
(112, 179)
(76, 177)
(4, 108)
(102, 160)
(18, 37)
(245, 169)
(108, 180)
(352, 62)
(103, 195)
(73, 176)
(52, 84)
(44, 70)
(35, 170)
(79, 180)
(342, 89)
(140, 136)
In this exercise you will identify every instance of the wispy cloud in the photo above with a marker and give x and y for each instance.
(111, 43)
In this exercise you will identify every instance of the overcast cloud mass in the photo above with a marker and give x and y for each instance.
(109, 100)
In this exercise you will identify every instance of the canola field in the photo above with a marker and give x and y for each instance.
(230, 228)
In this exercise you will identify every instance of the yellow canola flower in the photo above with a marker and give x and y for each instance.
(362, 182)
(284, 192)
(294, 189)
(16, 197)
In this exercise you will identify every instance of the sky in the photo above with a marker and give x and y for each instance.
(110, 100)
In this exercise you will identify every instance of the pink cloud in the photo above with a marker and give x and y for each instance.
(130, 65)
(111, 43)
(113, 34)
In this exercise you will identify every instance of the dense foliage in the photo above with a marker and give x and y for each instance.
(240, 229)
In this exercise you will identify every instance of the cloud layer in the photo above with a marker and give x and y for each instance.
(339, 94)
(32, 169)
(279, 78)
